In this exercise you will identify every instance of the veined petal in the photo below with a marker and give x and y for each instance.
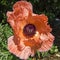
(12, 47)
(23, 54)
(25, 4)
(47, 42)
(44, 17)
(10, 18)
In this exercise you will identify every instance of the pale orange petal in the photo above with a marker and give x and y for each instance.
(12, 47)
(10, 18)
(43, 37)
(44, 17)
(47, 42)
(22, 9)
(23, 54)
(25, 4)
(21, 13)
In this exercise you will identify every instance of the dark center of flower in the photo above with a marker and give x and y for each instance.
(29, 30)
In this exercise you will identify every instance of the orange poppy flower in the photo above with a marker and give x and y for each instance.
(31, 31)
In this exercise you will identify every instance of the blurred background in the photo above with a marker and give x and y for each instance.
(51, 8)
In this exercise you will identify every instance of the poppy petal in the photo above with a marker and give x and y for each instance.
(23, 54)
(47, 42)
(21, 13)
(25, 4)
(10, 18)
(12, 47)
(43, 17)
(22, 9)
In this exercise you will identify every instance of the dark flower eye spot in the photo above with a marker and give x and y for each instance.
(29, 30)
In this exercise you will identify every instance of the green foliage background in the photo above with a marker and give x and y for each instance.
(49, 7)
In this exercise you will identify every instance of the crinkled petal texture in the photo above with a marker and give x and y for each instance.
(22, 45)
(23, 54)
